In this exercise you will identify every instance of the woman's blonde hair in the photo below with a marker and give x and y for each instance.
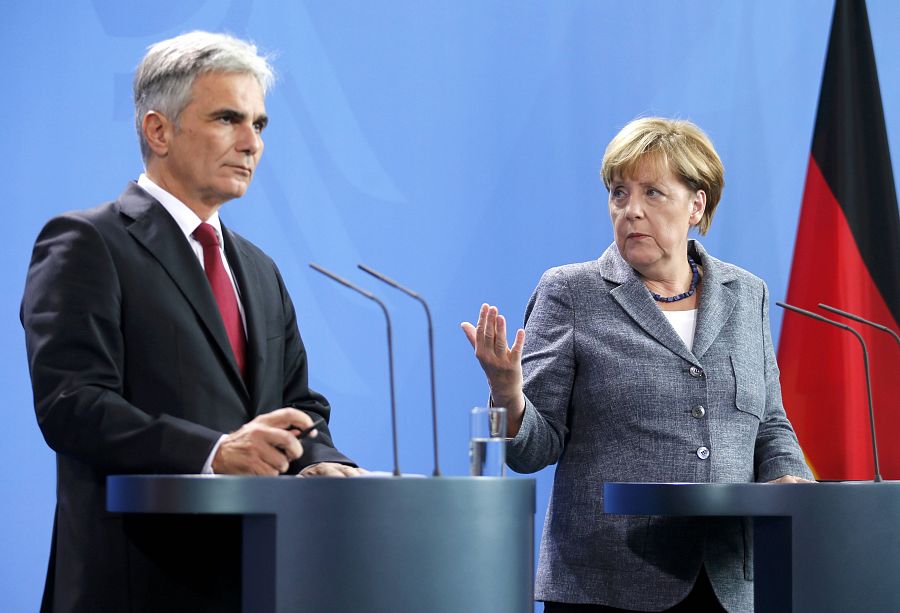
(672, 144)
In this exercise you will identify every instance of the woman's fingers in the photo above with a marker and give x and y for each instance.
(501, 364)
(476, 333)
(488, 338)
(518, 345)
(490, 327)
(480, 326)
(500, 340)
(471, 333)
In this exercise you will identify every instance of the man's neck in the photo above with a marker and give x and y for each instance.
(201, 209)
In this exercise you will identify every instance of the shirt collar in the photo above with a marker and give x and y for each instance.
(186, 219)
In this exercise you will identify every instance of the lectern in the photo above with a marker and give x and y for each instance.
(817, 547)
(442, 545)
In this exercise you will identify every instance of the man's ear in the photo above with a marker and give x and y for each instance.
(157, 131)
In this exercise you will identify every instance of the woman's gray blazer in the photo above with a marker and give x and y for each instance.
(613, 394)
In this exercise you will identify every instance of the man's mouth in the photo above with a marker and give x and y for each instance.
(243, 169)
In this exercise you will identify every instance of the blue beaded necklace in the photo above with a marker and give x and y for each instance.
(694, 279)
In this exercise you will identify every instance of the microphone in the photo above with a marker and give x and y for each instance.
(390, 346)
(860, 320)
(416, 296)
(865, 360)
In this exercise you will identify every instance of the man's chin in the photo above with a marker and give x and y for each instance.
(236, 189)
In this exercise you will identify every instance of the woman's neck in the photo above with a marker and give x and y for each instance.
(673, 281)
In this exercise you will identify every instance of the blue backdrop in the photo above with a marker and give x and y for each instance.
(452, 145)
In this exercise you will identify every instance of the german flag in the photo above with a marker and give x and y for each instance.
(847, 255)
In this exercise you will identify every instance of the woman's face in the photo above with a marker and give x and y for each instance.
(651, 214)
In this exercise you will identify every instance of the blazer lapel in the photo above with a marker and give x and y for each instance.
(717, 300)
(155, 229)
(636, 301)
(247, 276)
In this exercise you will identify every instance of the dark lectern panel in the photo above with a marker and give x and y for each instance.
(366, 544)
(843, 539)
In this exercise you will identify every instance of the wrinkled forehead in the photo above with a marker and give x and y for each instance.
(652, 166)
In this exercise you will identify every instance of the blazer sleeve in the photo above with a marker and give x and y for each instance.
(71, 315)
(298, 394)
(777, 452)
(548, 365)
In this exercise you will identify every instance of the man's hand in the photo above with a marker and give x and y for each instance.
(264, 446)
(790, 479)
(331, 469)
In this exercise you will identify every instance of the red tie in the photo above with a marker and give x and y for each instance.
(223, 290)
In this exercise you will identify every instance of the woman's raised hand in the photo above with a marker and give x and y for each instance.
(501, 363)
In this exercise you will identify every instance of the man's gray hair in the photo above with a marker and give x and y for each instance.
(164, 77)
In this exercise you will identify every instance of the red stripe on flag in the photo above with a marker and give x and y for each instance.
(822, 374)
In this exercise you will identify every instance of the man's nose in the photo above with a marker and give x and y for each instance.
(249, 140)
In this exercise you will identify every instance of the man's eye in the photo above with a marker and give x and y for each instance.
(258, 126)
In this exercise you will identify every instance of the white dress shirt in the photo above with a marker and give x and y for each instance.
(188, 221)
(685, 324)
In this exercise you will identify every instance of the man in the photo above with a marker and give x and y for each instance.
(161, 342)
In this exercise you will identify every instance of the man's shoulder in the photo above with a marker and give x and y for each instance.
(245, 245)
(95, 221)
(132, 200)
(102, 213)
(250, 254)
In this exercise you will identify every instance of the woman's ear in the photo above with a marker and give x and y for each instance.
(698, 207)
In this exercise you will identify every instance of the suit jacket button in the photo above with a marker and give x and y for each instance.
(698, 411)
(696, 372)
(703, 453)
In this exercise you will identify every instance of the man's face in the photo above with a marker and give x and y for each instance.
(213, 151)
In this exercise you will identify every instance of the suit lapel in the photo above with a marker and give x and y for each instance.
(636, 301)
(247, 276)
(155, 229)
(717, 300)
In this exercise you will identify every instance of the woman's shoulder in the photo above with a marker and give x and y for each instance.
(728, 273)
(573, 283)
(591, 270)
(573, 270)
(572, 275)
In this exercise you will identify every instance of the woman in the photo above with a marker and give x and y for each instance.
(653, 363)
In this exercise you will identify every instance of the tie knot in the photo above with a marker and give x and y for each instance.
(206, 235)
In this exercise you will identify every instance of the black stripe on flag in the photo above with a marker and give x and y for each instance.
(851, 149)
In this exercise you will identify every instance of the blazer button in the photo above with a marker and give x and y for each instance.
(698, 411)
(703, 453)
(696, 372)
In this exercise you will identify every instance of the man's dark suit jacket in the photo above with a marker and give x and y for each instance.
(133, 373)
